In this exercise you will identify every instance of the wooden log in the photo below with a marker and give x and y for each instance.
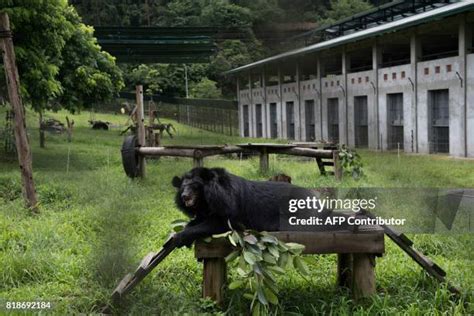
(337, 165)
(147, 264)
(264, 161)
(21, 136)
(299, 151)
(198, 162)
(363, 279)
(344, 270)
(164, 151)
(321, 168)
(369, 241)
(188, 151)
(214, 279)
(141, 129)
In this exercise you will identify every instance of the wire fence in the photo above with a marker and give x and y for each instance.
(219, 116)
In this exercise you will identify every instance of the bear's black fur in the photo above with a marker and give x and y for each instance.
(100, 125)
(213, 198)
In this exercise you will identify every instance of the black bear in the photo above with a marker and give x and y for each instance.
(214, 198)
(100, 125)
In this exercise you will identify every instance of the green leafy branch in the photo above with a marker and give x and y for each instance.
(351, 162)
(258, 257)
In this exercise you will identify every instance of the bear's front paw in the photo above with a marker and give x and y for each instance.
(180, 240)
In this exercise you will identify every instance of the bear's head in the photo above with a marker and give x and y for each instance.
(193, 189)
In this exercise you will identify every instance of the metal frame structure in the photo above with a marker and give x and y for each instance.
(390, 12)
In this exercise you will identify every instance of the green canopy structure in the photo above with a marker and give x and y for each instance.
(158, 44)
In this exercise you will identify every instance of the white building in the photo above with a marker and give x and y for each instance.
(407, 82)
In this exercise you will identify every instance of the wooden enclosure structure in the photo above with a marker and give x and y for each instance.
(356, 257)
(355, 247)
(133, 154)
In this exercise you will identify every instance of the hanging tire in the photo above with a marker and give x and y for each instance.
(130, 156)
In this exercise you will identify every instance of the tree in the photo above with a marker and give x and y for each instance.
(58, 59)
(88, 75)
(205, 89)
(40, 32)
(341, 9)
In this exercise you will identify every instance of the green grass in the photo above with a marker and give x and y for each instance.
(96, 224)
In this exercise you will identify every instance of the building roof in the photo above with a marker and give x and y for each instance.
(397, 25)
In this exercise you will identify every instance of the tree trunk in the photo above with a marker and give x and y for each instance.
(21, 135)
(41, 130)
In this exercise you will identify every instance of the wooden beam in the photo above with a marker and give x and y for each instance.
(363, 278)
(264, 161)
(141, 133)
(337, 165)
(371, 241)
(21, 136)
(214, 278)
(344, 270)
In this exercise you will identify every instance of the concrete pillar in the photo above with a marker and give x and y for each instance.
(376, 60)
(465, 42)
(280, 106)
(469, 80)
(299, 122)
(265, 106)
(344, 115)
(319, 103)
(240, 109)
(415, 53)
(251, 108)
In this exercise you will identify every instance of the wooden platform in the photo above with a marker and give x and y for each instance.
(324, 157)
(356, 257)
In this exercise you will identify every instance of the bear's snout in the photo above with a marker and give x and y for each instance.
(188, 199)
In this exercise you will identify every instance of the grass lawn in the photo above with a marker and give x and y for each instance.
(96, 224)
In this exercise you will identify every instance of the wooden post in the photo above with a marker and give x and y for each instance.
(337, 165)
(264, 160)
(70, 126)
(41, 130)
(21, 136)
(198, 160)
(214, 278)
(363, 280)
(344, 270)
(141, 129)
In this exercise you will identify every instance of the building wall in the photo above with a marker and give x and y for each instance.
(290, 94)
(398, 79)
(333, 87)
(430, 79)
(309, 90)
(257, 98)
(273, 96)
(470, 105)
(362, 84)
(244, 99)
(414, 80)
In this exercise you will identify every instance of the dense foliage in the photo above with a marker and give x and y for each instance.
(58, 58)
(254, 18)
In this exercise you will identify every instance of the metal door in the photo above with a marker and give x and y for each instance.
(333, 120)
(310, 120)
(361, 121)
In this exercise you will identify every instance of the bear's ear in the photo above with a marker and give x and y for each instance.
(207, 174)
(177, 182)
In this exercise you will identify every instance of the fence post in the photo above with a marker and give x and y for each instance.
(141, 129)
